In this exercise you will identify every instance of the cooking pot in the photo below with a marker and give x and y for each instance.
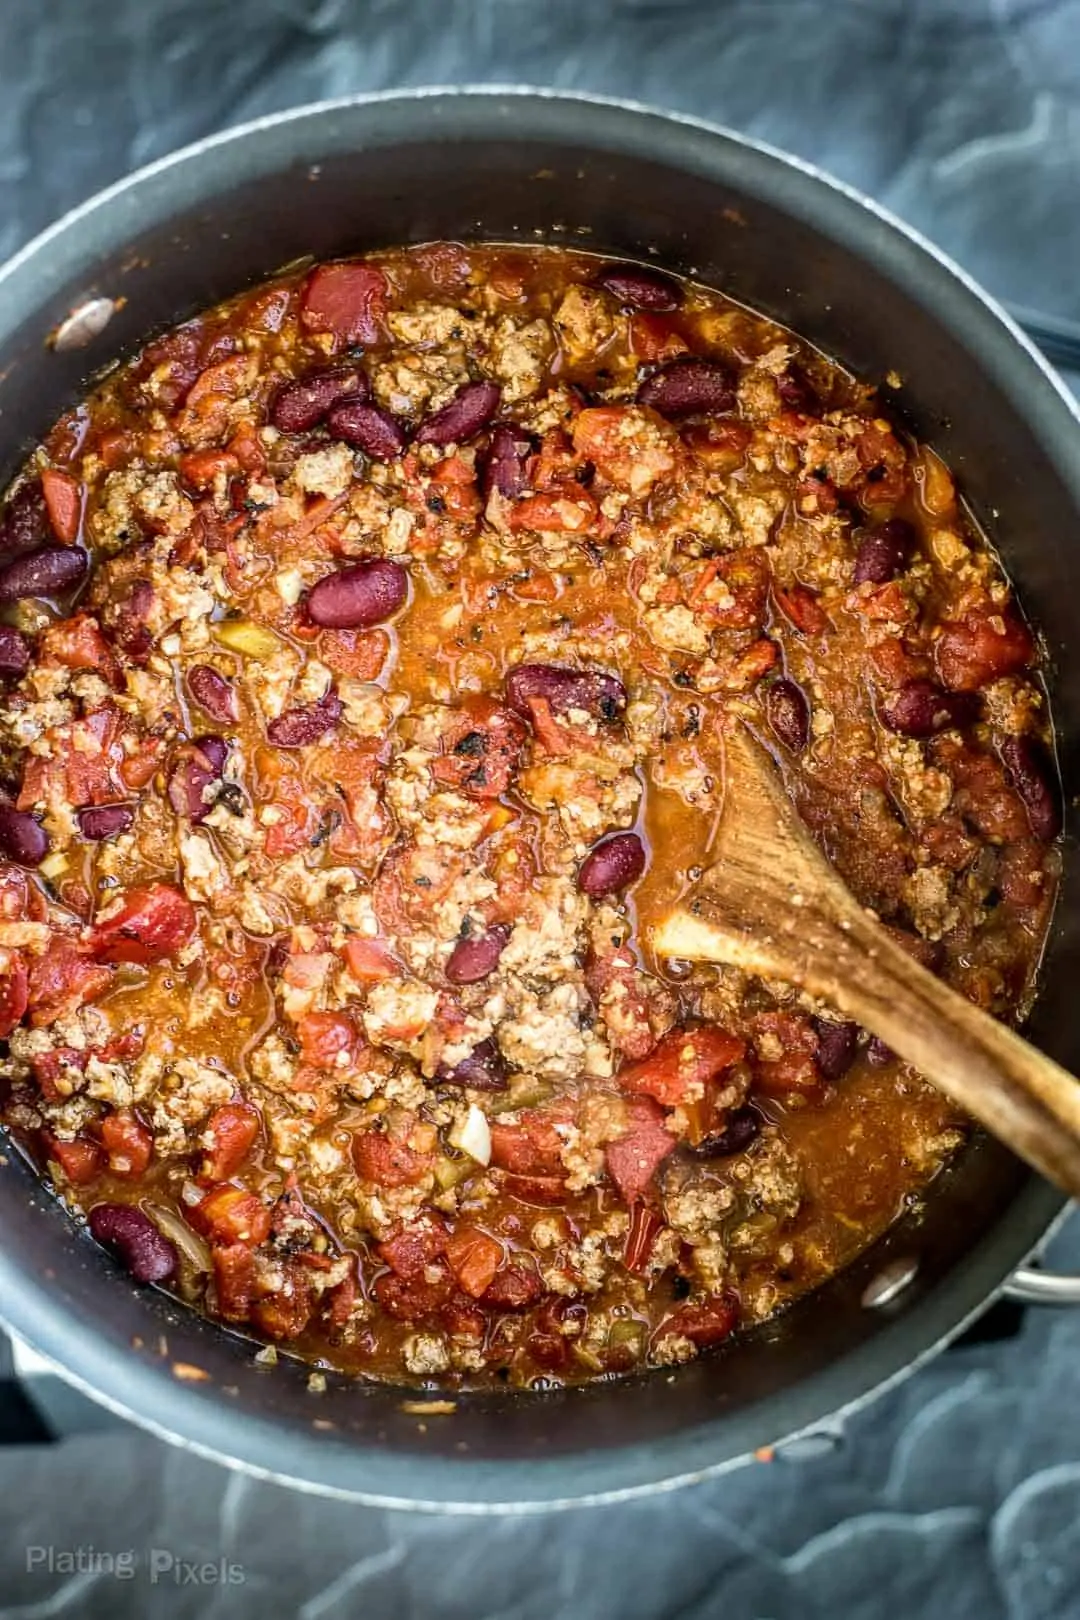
(529, 166)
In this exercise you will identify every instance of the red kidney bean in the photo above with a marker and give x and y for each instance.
(878, 1053)
(135, 1240)
(797, 392)
(213, 693)
(922, 709)
(788, 714)
(477, 955)
(1031, 773)
(45, 572)
(641, 287)
(505, 463)
(196, 772)
(368, 428)
(611, 865)
(483, 1070)
(101, 821)
(14, 651)
(22, 839)
(24, 521)
(838, 1044)
(300, 405)
(883, 552)
(603, 696)
(354, 598)
(743, 1127)
(687, 386)
(296, 728)
(471, 409)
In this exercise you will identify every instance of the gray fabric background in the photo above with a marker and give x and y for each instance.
(958, 1494)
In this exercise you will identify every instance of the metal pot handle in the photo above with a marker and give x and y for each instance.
(1029, 1286)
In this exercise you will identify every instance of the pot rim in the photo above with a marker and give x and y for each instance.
(201, 1422)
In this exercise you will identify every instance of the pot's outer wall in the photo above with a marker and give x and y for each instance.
(505, 166)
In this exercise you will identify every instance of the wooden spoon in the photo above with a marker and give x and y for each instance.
(772, 905)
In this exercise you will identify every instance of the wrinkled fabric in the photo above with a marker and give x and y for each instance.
(958, 1493)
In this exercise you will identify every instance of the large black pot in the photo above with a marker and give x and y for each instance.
(530, 166)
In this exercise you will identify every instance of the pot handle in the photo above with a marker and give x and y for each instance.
(1029, 1286)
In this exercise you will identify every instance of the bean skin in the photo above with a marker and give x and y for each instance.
(603, 696)
(483, 1070)
(100, 821)
(1031, 773)
(505, 466)
(922, 709)
(471, 409)
(688, 385)
(612, 865)
(22, 839)
(297, 728)
(788, 714)
(46, 572)
(877, 1053)
(838, 1044)
(14, 651)
(301, 405)
(883, 552)
(641, 287)
(368, 428)
(476, 956)
(199, 770)
(354, 598)
(24, 522)
(135, 1240)
(743, 1126)
(213, 693)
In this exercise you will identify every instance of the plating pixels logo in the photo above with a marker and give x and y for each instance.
(163, 1566)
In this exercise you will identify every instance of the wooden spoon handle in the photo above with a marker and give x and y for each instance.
(1019, 1094)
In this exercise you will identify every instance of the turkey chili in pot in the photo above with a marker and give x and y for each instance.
(367, 647)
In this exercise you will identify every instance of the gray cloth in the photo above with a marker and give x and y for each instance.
(958, 1493)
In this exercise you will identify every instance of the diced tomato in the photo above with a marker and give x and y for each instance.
(286, 1312)
(412, 1301)
(64, 502)
(14, 991)
(720, 443)
(801, 606)
(77, 771)
(62, 980)
(348, 300)
(645, 1223)
(987, 643)
(200, 468)
(732, 590)
(882, 604)
(296, 820)
(360, 654)
(653, 338)
(516, 1286)
(796, 1068)
(531, 1148)
(634, 1158)
(704, 1324)
(77, 643)
(233, 1129)
(571, 510)
(225, 379)
(615, 983)
(324, 1036)
(455, 480)
(542, 1190)
(369, 961)
(58, 1071)
(153, 923)
(80, 1159)
(339, 1302)
(234, 1280)
(380, 1159)
(15, 894)
(556, 739)
(483, 746)
(627, 445)
(474, 1258)
(409, 1252)
(128, 1142)
(683, 1059)
(231, 1214)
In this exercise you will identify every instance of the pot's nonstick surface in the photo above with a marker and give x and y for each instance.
(349, 177)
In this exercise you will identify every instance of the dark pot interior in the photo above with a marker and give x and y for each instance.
(532, 167)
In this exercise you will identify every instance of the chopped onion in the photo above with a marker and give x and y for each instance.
(473, 1135)
(189, 1243)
